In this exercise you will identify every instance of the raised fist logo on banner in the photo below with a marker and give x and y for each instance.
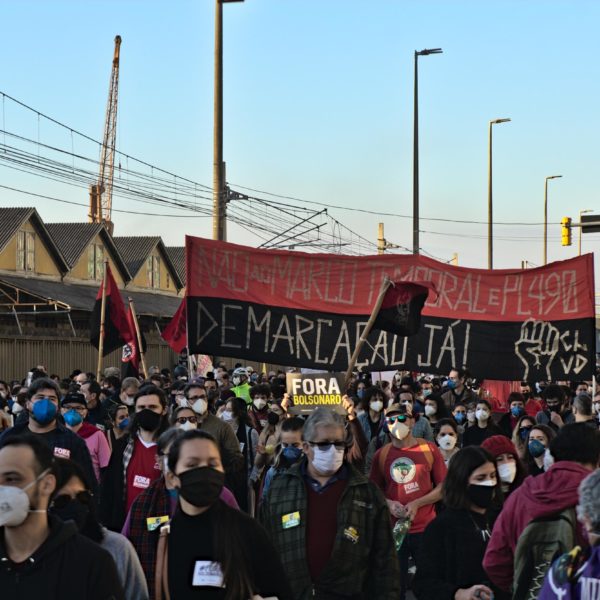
(537, 348)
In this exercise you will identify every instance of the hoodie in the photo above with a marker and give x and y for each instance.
(67, 566)
(541, 496)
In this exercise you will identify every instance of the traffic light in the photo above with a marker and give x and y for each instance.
(566, 231)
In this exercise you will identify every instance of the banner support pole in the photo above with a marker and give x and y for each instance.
(138, 336)
(385, 284)
(102, 317)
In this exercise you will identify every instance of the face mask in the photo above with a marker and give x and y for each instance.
(524, 432)
(14, 503)
(451, 384)
(182, 401)
(291, 453)
(548, 459)
(148, 420)
(236, 380)
(200, 406)
(399, 430)
(227, 416)
(471, 416)
(328, 462)
(554, 408)
(536, 448)
(446, 441)
(273, 418)
(426, 392)
(595, 406)
(16, 408)
(507, 472)
(526, 395)
(482, 415)
(123, 424)
(187, 426)
(260, 403)
(481, 495)
(360, 393)
(128, 400)
(44, 411)
(459, 417)
(517, 411)
(72, 418)
(74, 511)
(430, 410)
(201, 486)
(376, 406)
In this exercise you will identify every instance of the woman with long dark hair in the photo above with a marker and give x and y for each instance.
(210, 550)
(454, 543)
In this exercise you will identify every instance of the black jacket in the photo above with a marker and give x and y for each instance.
(112, 490)
(450, 557)
(63, 443)
(67, 566)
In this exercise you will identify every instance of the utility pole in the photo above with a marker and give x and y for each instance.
(382, 243)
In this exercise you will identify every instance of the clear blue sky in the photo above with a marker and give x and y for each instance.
(318, 105)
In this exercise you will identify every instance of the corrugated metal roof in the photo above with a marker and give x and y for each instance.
(11, 219)
(135, 250)
(177, 256)
(73, 238)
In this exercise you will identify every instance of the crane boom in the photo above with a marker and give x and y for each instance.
(101, 193)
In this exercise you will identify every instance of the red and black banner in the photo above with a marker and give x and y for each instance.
(131, 356)
(175, 333)
(309, 310)
(117, 332)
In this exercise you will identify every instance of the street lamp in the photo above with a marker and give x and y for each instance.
(219, 205)
(490, 211)
(418, 53)
(546, 215)
(582, 212)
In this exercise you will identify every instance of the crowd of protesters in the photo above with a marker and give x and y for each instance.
(216, 486)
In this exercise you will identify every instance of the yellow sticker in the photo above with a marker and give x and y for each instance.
(350, 533)
(153, 523)
(290, 520)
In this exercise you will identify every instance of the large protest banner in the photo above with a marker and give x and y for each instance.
(309, 310)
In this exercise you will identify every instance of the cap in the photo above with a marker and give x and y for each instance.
(398, 409)
(74, 398)
(499, 444)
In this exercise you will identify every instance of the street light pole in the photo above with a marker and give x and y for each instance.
(490, 205)
(546, 215)
(582, 212)
(219, 206)
(424, 52)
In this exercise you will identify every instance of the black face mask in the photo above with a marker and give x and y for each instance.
(481, 495)
(73, 511)
(554, 408)
(201, 486)
(148, 420)
(273, 418)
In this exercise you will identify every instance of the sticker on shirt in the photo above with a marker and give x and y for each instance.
(207, 573)
(62, 452)
(351, 534)
(141, 482)
(153, 523)
(290, 520)
(403, 470)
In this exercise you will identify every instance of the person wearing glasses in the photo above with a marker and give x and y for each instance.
(329, 524)
(74, 501)
(73, 408)
(410, 472)
(184, 418)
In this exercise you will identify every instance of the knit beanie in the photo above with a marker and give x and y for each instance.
(499, 444)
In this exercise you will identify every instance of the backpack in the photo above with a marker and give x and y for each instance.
(542, 541)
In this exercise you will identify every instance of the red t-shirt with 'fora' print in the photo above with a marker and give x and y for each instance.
(142, 470)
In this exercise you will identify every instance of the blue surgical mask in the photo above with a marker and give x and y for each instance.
(44, 411)
(72, 418)
(524, 432)
(124, 423)
(292, 453)
(517, 411)
(360, 393)
(451, 384)
(459, 417)
(426, 392)
(536, 448)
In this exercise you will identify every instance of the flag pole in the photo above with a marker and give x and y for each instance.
(385, 284)
(138, 336)
(102, 317)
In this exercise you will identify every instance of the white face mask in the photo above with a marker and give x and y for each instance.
(259, 403)
(182, 401)
(507, 472)
(128, 400)
(548, 459)
(446, 441)
(14, 503)
(328, 462)
(430, 410)
(227, 416)
(16, 408)
(399, 430)
(200, 406)
(187, 426)
(482, 415)
(376, 406)
(236, 380)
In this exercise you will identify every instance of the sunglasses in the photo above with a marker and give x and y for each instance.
(399, 418)
(182, 420)
(327, 445)
(61, 501)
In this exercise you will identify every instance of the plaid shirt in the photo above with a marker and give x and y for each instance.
(363, 562)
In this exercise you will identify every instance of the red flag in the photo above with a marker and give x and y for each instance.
(116, 327)
(175, 333)
(401, 308)
(131, 352)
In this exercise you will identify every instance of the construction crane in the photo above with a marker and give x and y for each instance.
(101, 192)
